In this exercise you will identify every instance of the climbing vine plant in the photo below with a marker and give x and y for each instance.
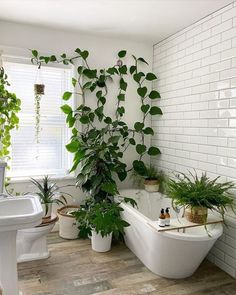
(9, 107)
(100, 146)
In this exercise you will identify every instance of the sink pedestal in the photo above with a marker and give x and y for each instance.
(8, 264)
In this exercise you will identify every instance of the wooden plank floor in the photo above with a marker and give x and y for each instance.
(74, 269)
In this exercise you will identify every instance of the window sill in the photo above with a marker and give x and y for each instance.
(40, 178)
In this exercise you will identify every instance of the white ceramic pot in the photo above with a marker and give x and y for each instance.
(151, 185)
(68, 228)
(99, 243)
(47, 210)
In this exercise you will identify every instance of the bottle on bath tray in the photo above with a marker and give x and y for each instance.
(167, 216)
(161, 220)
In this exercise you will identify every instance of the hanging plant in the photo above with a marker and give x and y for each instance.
(9, 107)
(38, 92)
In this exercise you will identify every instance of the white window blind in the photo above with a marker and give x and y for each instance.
(49, 156)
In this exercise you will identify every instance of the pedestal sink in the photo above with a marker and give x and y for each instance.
(15, 213)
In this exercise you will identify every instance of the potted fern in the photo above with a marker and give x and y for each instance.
(101, 221)
(198, 194)
(47, 192)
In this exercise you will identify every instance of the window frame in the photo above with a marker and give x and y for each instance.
(74, 102)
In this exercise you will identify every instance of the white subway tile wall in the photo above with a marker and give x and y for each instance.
(196, 71)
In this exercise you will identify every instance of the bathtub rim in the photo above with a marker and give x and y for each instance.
(215, 232)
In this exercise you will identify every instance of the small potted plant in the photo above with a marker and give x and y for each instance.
(100, 220)
(47, 192)
(152, 179)
(149, 177)
(198, 194)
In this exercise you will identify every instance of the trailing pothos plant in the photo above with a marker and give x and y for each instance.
(100, 146)
(9, 107)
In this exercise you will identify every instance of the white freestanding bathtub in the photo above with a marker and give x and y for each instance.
(170, 254)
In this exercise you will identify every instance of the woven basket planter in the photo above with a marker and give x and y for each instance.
(151, 185)
(68, 228)
(196, 214)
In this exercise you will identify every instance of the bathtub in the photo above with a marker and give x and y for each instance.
(169, 254)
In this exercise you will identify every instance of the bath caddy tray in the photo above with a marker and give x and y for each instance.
(182, 223)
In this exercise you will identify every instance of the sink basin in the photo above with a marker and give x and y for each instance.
(20, 212)
(15, 213)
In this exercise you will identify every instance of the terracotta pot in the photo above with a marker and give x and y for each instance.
(39, 88)
(151, 185)
(196, 214)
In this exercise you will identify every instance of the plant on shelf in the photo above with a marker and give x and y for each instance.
(198, 194)
(48, 194)
(150, 178)
(100, 220)
(100, 146)
(9, 107)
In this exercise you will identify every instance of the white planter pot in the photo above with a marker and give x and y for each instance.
(47, 210)
(99, 243)
(68, 228)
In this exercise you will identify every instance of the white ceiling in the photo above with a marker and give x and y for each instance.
(143, 20)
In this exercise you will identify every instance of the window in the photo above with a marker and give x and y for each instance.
(49, 156)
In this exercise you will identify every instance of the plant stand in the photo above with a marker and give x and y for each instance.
(8, 264)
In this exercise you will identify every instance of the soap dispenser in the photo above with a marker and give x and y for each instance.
(161, 220)
(167, 216)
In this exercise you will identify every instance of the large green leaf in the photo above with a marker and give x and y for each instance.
(132, 141)
(148, 130)
(155, 111)
(108, 120)
(138, 126)
(145, 108)
(123, 84)
(142, 91)
(34, 53)
(84, 119)
(137, 77)
(84, 54)
(153, 151)
(73, 146)
(121, 97)
(122, 53)
(141, 148)
(139, 167)
(91, 74)
(154, 94)
(151, 77)
(67, 95)
(123, 70)
(132, 69)
(142, 60)
(66, 109)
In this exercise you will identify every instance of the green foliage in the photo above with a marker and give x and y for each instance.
(103, 217)
(47, 190)
(9, 107)
(197, 191)
(100, 146)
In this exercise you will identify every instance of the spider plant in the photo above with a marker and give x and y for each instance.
(46, 193)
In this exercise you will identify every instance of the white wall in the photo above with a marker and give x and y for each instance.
(197, 81)
(16, 39)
